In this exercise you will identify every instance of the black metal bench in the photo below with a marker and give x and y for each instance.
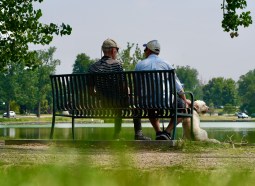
(128, 94)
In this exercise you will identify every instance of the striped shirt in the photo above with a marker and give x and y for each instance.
(106, 64)
(106, 86)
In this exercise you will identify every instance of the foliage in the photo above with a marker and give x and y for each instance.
(189, 77)
(212, 109)
(47, 66)
(246, 89)
(14, 106)
(130, 60)
(220, 91)
(229, 109)
(28, 87)
(231, 19)
(20, 26)
(82, 63)
(9, 85)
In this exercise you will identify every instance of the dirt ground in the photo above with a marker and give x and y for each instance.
(186, 157)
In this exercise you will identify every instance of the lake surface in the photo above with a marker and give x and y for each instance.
(218, 130)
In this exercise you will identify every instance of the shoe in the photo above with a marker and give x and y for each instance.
(163, 135)
(142, 137)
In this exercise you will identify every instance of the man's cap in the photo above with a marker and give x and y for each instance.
(153, 45)
(110, 43)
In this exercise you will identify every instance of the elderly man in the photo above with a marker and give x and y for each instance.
(108, 63)
(153, 62)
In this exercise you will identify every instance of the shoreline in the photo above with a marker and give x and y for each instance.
(108, 121)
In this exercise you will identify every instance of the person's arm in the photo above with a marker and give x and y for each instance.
(182, 96)
(180, 91)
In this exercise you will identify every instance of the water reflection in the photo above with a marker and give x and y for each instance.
(222, 131)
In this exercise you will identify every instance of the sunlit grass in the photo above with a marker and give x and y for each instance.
(35, 119)
(115, 165)
(57, 175)
(85, 175)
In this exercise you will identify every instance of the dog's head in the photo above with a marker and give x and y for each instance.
(200, 107)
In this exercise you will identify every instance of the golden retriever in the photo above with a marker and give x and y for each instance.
(200, 107)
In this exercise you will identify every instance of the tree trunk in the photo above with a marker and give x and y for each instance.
(8, 109)
(39, 109)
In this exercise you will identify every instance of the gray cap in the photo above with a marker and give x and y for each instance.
(110, 43)
(153, 45)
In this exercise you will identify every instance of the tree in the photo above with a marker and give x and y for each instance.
(47, 66)
(82, 63)
(34, 85)
(228, 108)
(20, 26)
(246, 89)
(9, 85)
(233, 17)
(230, 93)
(189, 77)
(220, 91)
(26, 90)
(130, 60)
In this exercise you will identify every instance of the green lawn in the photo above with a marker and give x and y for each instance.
(187, 164)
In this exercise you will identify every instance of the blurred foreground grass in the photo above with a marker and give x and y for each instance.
(190, 163)
(60, 176)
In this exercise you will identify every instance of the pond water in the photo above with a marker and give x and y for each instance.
(218, 130)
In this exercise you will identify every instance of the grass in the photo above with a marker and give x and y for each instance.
(190, 163)
(56, 176)
(43, 119)
(224, 118)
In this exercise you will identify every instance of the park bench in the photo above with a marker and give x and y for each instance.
(128, 94)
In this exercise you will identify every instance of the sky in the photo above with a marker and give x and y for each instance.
(189, 32)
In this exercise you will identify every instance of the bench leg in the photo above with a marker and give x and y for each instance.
(174, 129)
(117, 127)
(192, 132)
(52, 126)
(73, 127)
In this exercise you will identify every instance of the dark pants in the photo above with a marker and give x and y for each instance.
(118, 122)
(138, 121)
(137, 125)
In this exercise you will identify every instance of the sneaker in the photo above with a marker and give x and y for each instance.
(163, 136)
(142, 137)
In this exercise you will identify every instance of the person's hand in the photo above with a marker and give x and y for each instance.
(188, 102)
